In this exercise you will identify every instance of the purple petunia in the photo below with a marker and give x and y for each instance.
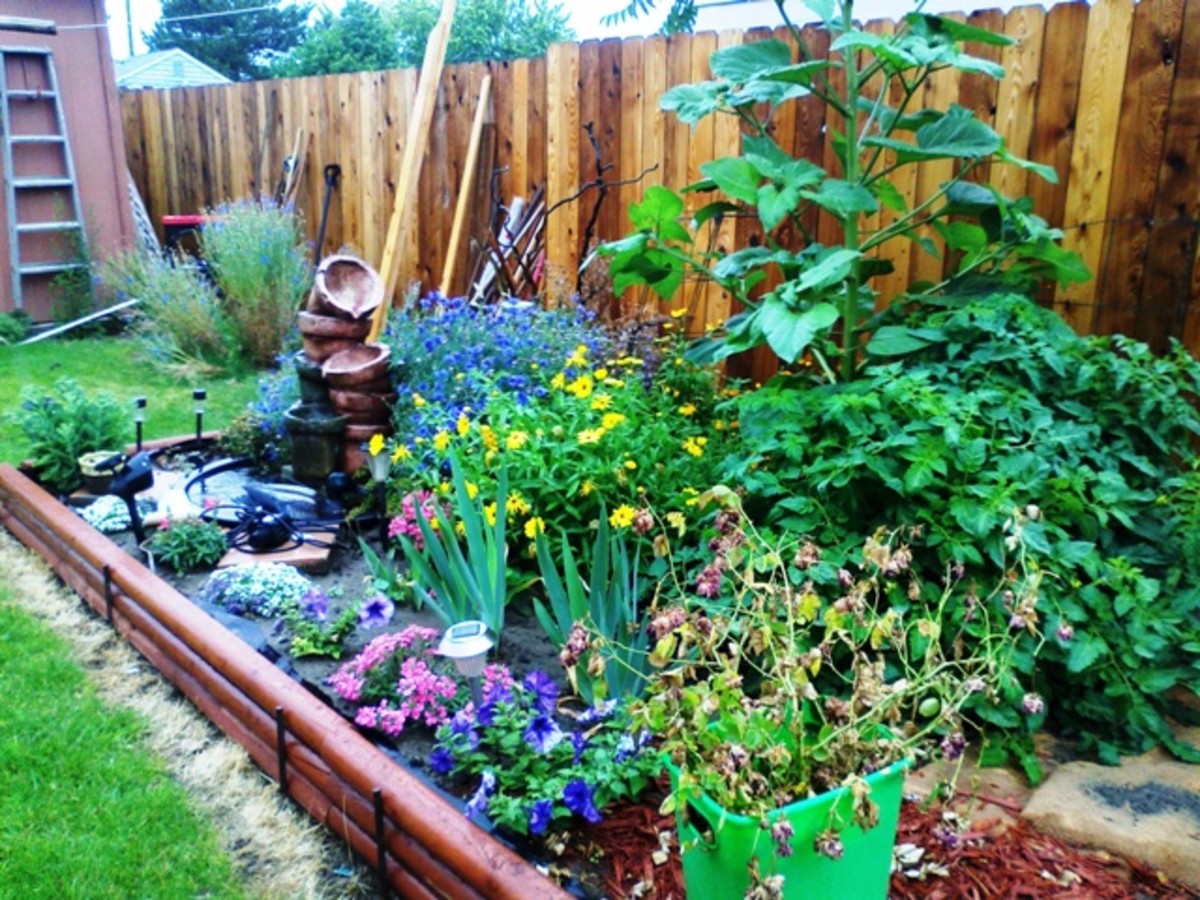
(487, 714)
(578, 798)
(478, 803)
(598, 713)
(631, 745)
(315, 604)
(542, 734)
(376, 611)
(580, 744)
(539, 816)
(462, 725)
(544, 689)
(441, 760)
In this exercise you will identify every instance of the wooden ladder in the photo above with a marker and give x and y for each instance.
(45, 228)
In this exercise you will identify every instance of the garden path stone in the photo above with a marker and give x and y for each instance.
(1147, 808)
(307, 557)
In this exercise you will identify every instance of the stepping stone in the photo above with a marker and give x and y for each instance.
(307, 558)
(1147, 808)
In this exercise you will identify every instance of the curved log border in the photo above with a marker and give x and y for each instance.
(390, 817)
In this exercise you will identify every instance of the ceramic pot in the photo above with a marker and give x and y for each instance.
(319, 349)
(347, 288)
(362, 402)
(315, 325)
(316, 442)
(359, 365)
(96, 481)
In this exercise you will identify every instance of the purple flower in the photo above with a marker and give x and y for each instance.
(486, 715)
(315, 604)
(478, 803)
(542, 686)
(1033, 704)
(578, 798)
(598, 713)
(441, 760)
(580, 744)
(630, 745)
(496, 692)
(539, 816)
(376, 612)
(1065, 633)
(462, 726)
(542, 734)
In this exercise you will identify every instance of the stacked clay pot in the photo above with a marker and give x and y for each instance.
(346, 292)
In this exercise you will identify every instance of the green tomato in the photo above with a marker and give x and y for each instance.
(929, 707)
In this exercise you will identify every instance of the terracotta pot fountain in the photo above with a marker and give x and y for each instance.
(347, 288)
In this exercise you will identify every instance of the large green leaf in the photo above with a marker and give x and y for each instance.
(735, 176)
(956, 135)
(692, 102)
(894, 340)
(1047, 173)
(932, 26)
(801, 73)
(738, 263)
(832, 267)
(788, 331)
(775, 204)
(1086, 648)
(748, 61)
(842, 198)
(655, 268)
(659, 213)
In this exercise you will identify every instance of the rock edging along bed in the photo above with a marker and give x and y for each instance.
(390, 817)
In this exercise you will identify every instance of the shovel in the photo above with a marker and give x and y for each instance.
(332, 173)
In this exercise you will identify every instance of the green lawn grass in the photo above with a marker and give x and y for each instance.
(84, 810)
(112, 364)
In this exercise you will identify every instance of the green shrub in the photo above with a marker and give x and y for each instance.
(187, 544)
(1004, 410)
(62, 426)
(256, 254)
(14, 326)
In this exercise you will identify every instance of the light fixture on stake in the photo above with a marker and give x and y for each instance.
(199, 395)
(379, 463)
(468, 643)
(139, 419)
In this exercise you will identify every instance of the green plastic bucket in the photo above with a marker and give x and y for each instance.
(718, 869)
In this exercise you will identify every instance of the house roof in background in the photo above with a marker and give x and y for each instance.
(165, 69)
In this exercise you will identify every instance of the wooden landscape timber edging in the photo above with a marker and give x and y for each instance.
(1103, 93)
(386, 813)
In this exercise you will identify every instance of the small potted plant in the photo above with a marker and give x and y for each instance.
(97, 477)
(792, 692)
(186, 544)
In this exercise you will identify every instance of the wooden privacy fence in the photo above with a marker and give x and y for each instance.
(1109, 95)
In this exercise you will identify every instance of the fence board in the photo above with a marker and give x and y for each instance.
(1124, 139)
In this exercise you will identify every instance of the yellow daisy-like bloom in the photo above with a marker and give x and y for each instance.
(688, 409)
(586, 488)
(375, 445)
(629, 361)
(677, 521)
(630, 465)
(516, 440)
(695, 446)
(590, 436)
(601, 402)
(401, 453)
(612, 420)
(472, 490)
(559, 381)
(441, 441)
(460, 528)
(490, 441)
(418, 400)
(582, 387)
(462, 426)
(601, 374)
(516, 504)
(622, 516)
(489, 513)
(444, 488)
(534, 527)
(719, 425)
(614, 383)
(678, 313)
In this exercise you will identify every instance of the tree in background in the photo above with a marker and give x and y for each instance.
(681, 17)
(239, 45)
(483, 29)
(362, 39)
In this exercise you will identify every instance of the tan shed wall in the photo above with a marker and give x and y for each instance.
(83, 61)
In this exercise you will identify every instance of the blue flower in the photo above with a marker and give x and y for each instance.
(486, 715)
(478, 803)
(544, 689)
(580, 743)
(376, 612)
(578, 798)
(441, 760)
(542, 734)
(497, 692)
(599, 712)
(315, 604)
(540, 815)
(631, 745)
(462, 726)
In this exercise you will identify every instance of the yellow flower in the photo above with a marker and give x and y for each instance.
(695, 446)
(460, 528)
(614, 383)
(444, 488)
(516, 440)
(678, 313)
(622, 516)
(719, 425)
(586, 488)
(629, 361)
(612, 420)
(688, 409)
(441, 441)
(590, 436)
(516, 504)
(630, 465)
(601, 374)
(601, 402)
(534, 527)
(462, 426)
(558, 382)
(490, 441)
(489, 513)
(472, 490)
(581, 387)
(375, 445)
(400, 454)
(418, 400)
(677, 521)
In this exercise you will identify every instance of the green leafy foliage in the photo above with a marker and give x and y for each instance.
(63, 425)
(14, 326)
(360, 38)
(998, 406)
(187, 544)
(483, 29)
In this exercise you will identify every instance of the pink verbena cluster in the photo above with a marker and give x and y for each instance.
(406, 523)
(396, 680)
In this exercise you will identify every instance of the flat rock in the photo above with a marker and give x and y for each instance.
(1147, 808)
(310, 558)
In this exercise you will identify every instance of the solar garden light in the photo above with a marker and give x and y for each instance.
(467, 643)
(379, 463)
(139, 419)
(199, 395)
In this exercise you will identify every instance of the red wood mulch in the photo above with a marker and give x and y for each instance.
(983, 864)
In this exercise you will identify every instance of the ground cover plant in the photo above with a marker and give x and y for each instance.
(108, 364)
(81, 803)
